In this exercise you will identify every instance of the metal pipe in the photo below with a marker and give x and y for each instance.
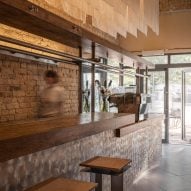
(27, 45)
(114, 72)
(37, 57)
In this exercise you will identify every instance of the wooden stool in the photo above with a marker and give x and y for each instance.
(110, 166)
(62, 184)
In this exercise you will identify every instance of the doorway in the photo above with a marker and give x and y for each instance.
(180, 105)
(177, 95)
(158, 89)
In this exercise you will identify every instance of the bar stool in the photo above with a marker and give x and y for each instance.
(109, 166)
(62, 184)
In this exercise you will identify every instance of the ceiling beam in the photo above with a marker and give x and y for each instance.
(26, 16)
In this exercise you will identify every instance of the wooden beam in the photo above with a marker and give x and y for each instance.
(29, 17)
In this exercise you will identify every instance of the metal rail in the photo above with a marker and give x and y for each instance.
(58, 53)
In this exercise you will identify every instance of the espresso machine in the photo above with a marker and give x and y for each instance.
(132, 103)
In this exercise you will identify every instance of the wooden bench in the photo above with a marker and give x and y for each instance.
(62, 184)
(109, 166)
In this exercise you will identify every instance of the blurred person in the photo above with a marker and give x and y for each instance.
(52, 97)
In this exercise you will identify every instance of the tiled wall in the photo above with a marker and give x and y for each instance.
(21, 82)
(143, 147)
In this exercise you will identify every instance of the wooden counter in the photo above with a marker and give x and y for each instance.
(55, 147)
(22, 138)
(153, 120)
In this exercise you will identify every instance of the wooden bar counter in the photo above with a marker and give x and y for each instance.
(23, 138)
(33, 151)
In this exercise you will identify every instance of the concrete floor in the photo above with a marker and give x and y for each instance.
(172, 173)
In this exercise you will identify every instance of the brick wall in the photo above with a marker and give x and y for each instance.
(174, 5)
(21, 82)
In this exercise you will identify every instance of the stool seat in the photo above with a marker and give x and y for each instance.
(62, 184)
(110, 166)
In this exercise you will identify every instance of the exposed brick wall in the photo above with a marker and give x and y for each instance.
(21, 82)
(174, 5)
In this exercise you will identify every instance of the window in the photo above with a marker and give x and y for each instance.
(180, 59)
(86, 88)
(157, 59)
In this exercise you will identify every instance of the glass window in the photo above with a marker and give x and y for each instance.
(175, 101)
(180, 59)
(104, 83)
(156, 84)
(157, 59)
(113, 63)
(86, 89)
(129, 80)
(100, 78)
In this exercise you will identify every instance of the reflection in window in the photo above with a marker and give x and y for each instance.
(129, 82)
(157, 59)
(156, 84)
(100, 76)
(86, 89)
(105, 81)
(180, 59)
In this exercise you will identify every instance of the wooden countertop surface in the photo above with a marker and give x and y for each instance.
(62, 184)
(22, 138)
(107, 163)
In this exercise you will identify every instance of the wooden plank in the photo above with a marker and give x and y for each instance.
(42, 23)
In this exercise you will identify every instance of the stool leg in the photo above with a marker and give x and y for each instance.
(98, 179)
(117, 183)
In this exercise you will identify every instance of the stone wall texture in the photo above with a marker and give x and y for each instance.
(21, 82)
(142, 146)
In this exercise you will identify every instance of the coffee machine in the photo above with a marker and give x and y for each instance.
(132, 103)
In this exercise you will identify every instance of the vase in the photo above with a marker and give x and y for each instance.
(105, 105)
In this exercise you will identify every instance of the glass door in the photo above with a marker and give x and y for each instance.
(186, 105)
(175, 104)
(159, 94)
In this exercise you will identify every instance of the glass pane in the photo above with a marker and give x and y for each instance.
(105, 82)
(100, 78)
(115, 84)
(156, 87)
(129, 82)
(86, 89)
(157, 59)
(188, 106)
(113, 63)
(180, 59)
(175, 91)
